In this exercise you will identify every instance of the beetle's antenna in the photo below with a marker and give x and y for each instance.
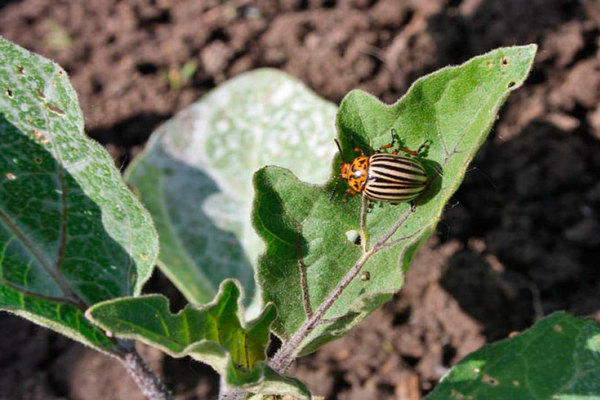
(337, 143)
(337, 181)
(334, 189)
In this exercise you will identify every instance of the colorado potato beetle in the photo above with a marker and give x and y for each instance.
(389, 177)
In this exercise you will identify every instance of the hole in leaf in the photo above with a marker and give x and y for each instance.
(37, 160)
(353, 236)
(9, 93)
(21, 70)
(40, 94)
(365, 276)
(505, 62)
(511, 84)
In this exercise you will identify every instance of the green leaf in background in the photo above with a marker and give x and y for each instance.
(71, 233)
(213, 334)
(195, 175)
(558, 358)
(452, 110)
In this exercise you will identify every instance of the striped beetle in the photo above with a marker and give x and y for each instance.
(389, 177)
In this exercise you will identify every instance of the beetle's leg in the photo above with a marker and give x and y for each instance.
(370, 205)
(407, 151)
(421, 148)
(350, 192)
(389, 145)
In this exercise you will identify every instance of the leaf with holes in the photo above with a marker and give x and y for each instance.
(558, 358)
(312, 241)
(71, 233)
(195, 175)
(212, 333)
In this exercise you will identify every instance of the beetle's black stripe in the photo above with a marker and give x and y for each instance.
(398, 163)
(387, 176)
(393, 195)
(394, 178)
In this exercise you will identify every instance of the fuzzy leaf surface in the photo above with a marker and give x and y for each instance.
(213, 333)
(195, 175)
(557, 358)
(452, 110)
(71, 233)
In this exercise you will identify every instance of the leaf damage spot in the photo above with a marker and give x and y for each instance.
(489, 64)
(37, 160)
(511, 84)
(454, 395)
(476, 370)
(557, 328)
(21, 70)
(40, 94)
(10, 176)
(490, 381)
(365, 276)
(54, 109)
(505, 62)
(40, 136)
(144, 257)
(9, 93)
(353, 237)
(516, 383)
(513, 334)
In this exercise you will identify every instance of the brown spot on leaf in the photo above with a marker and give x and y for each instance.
(504, 61)
(557, 328)
(9, 93)
(490, 381)
(54, 109)
(489, 64)
(40, 94)
(21, 70)
(40, 136)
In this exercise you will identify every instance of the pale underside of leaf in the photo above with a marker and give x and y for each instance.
(195, 175)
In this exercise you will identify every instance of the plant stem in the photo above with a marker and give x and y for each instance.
(286, 354)
(147, 381)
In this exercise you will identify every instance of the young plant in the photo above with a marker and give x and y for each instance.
(77, 244)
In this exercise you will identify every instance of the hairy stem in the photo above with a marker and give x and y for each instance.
(286, 354)
(147, 381)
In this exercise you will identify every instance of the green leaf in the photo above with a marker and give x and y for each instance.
(557, 358)
(213, 334)
(452, 110)
(71, 233)
(195, 175)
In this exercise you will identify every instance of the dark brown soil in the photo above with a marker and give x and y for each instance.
(520, 239)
